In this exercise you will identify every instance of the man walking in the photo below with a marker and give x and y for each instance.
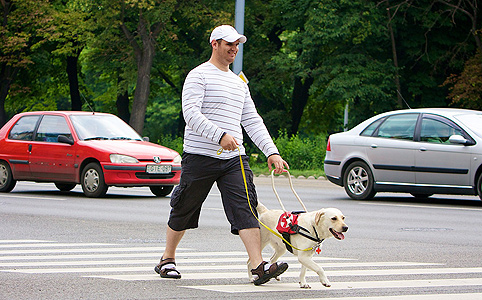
(216, 103)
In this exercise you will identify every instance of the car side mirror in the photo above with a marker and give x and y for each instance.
(145, 138)
(458, 139)
(63, 139)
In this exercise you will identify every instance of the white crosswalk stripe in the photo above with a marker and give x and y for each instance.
(136, 262)
(465, 296)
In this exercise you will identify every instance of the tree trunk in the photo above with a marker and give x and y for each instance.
(122, 104)
(395, 58)
(298, 101)
(144, 55)
(7, 75)
(181, 125)
(6, 71)
(141, 94)
(72, 71)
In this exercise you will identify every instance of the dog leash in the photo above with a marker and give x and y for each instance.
(251, 208)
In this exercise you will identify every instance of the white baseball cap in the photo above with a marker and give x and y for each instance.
(227, 33)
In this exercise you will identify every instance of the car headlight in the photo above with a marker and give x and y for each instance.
(123, 159)
(177, 159)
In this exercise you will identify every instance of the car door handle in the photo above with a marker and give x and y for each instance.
(30, 148)
(423, 149)
(374, 146)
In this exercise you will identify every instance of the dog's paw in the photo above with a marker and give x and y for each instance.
(305, 285)
(326, 283)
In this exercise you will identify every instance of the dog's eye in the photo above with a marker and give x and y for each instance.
(334, 218)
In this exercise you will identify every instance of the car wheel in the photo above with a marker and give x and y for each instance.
(421, 196)
(92, 181)
(479, 186)
(358, 181)
(65, 187)
(161, 191)
(6, 178)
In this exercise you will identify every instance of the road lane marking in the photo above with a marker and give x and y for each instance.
(352, 285)
(220, 275)
(119, 255)
(184, 264)
(291, 273)
(180, 254)
(81, 250)
(41, 245)
(288, 274)
(32, 197)
(465, 296)
(24, 241)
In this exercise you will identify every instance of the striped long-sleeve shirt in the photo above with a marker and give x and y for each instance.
(215, 102)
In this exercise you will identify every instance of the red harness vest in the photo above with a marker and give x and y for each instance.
(286, 222)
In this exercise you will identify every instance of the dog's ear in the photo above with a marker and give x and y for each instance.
(318, 216)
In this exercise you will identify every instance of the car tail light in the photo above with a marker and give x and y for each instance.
(328, 145)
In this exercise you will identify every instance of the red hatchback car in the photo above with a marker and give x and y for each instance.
(95, 150)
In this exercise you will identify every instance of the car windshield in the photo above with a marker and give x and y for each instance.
(102, 127)
(473, 121)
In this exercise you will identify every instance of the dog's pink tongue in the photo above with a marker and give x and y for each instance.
(340, 235)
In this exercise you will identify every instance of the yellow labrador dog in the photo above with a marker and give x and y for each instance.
(320, 225)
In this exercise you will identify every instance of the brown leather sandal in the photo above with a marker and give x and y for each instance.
(274, 270)
(167, 272)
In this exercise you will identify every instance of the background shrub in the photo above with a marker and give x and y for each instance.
(171, 142)
(305, 155)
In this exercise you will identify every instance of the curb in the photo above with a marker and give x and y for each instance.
(293, 177)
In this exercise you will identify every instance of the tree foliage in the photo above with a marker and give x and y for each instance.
(307, 60)
(466, 88)
(25, 26)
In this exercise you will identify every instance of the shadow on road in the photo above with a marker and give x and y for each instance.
(79, 194)
(470, 201)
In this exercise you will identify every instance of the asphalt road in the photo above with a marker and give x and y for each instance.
(56, 245)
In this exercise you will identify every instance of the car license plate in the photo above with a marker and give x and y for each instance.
(158, 169)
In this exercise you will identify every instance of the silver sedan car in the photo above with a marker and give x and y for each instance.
(418, 151)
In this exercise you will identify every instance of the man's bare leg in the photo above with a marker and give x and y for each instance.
(167, 266)
(251, 238)
(173, 238)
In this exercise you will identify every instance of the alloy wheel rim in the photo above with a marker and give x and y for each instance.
(358, 180)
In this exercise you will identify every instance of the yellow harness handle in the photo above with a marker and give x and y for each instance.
(251, 208)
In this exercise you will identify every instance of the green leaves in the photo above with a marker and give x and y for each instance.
(306, 59)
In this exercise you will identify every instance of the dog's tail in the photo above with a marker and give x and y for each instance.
(261, 208)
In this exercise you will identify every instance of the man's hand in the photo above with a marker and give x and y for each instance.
(278, 162)
(228, 142)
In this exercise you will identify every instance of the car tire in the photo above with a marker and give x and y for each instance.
(65, 187)
(161, 190)
(358, 181)
(479, 186)
(92, 181)
(7, 183)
